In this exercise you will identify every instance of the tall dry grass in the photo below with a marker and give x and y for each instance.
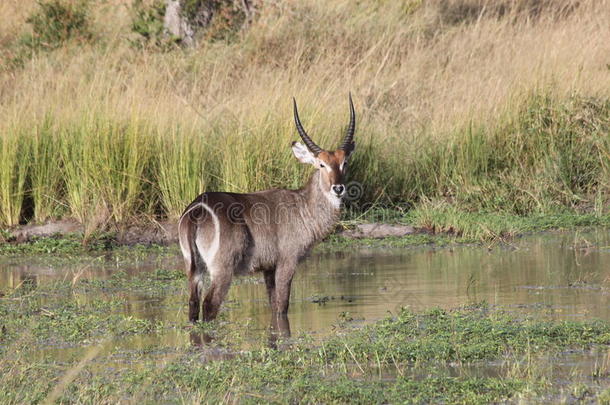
(444, 92)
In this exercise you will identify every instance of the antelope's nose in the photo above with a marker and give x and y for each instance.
(339, 189)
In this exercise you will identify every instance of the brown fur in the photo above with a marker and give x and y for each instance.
(268, 231)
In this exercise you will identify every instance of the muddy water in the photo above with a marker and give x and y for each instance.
(558, 275)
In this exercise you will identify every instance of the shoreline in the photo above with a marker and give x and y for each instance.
(166, 232)
(68, 236)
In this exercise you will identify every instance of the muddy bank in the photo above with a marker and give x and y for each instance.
(166, 232)
(161, 233)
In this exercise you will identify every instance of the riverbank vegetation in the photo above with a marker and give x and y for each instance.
(464, 107)
(438, 226)
(78, 341)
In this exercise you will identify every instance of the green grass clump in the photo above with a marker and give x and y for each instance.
(403, 358)
(182, 170)
(549, 157)
(552, 158)
(64, 248)
(82, 310)
(105, 165)
(462, 336)
(60, 321)
(147, 22)
(55, 22)
(46, 174)
(15, 150)
(443, 218)
(65, 245)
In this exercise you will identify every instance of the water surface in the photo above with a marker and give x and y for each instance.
(556, 275)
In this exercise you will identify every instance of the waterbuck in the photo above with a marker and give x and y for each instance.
(269, 231)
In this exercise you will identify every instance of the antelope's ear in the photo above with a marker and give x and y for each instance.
(302, 153)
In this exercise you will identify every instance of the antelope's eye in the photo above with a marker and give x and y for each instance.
(321, 165)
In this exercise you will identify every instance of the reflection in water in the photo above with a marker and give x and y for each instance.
(208, 352)
(199, 338)
(277, 334)
(556, 275)
(279, 329)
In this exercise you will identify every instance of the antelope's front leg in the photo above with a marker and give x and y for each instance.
(283, 282)
(270, 284)
(279, 329)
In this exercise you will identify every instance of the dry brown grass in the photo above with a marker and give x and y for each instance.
(406, 63)
(417, 70)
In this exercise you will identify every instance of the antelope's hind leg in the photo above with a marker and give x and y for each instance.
(195, 266)
(223, 263)
(196, 288)
(195, 273)
(219, 286)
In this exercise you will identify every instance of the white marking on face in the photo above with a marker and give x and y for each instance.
(334, 199)
(322, 165)
(330, 195)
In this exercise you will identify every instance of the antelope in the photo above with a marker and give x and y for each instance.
(270, 231)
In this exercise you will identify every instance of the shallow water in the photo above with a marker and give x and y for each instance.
(557, 275)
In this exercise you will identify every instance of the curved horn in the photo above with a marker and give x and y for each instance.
(348, 142)
(311, 145)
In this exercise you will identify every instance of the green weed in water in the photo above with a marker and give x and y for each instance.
(402, 358)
